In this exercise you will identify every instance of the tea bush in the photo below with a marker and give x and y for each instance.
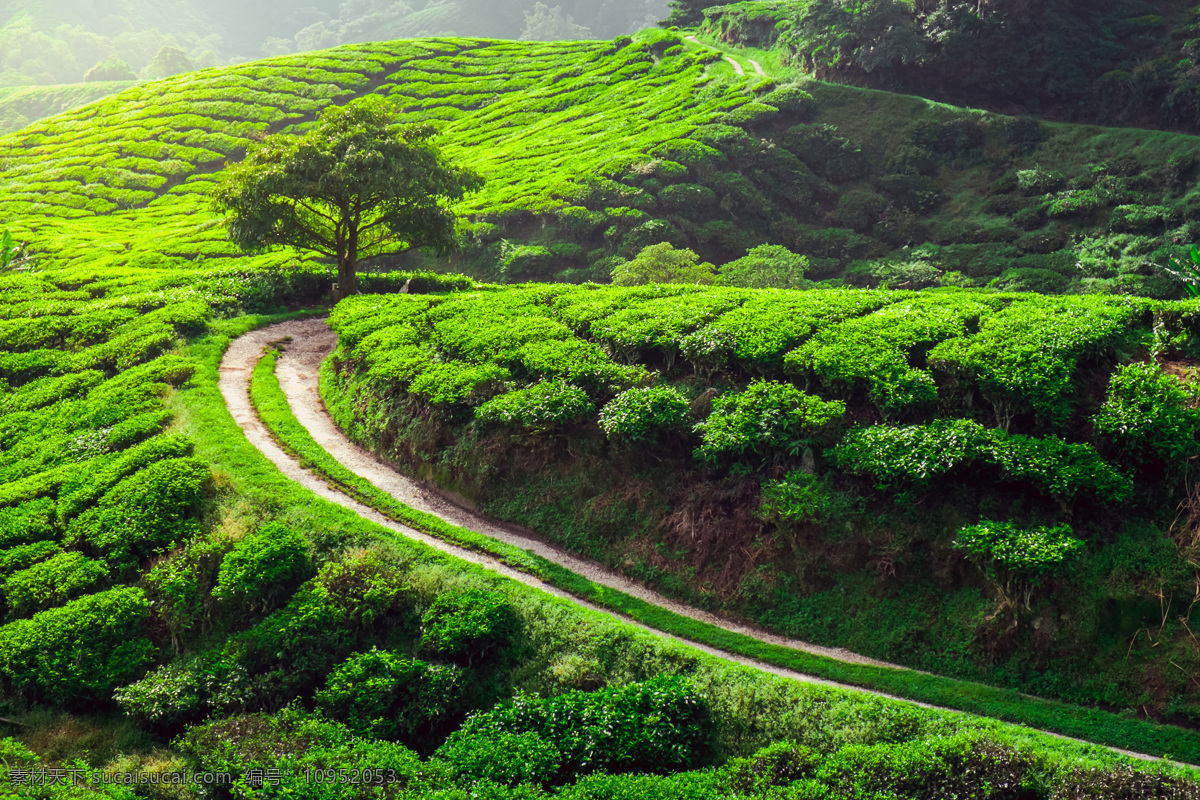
(1148, 418)
(51, 583)
(81, 651)
(264, 568)
(382, 695)
(641, 415)
(657, 726)
(545, 405)
(469, 627)
(767, 417)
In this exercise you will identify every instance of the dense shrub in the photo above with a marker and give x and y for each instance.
(180, 585)
(81, 651)
(543, 406)
(1018, 560)
(504, 758)
(51, 583)
(640, 415)
(827, 153)
(1148, 418)
(658, 726)
(469, 626)
(312, 758)
(383, 695)
(662, 263)
(264, 568)
(766, 267)
(768, 416)
(146, 511)
(916, 454)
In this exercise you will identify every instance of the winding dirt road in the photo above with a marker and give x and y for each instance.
(298, 371)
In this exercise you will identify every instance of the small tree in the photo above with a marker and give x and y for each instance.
(356, 187)
(766, 267)
(1018, 561)
(662, 263)
(13, 257)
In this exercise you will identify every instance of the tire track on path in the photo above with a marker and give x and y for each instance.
(298, 373)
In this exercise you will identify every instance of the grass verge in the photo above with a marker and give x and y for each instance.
(1089, 724)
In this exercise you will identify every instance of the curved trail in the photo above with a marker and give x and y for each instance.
(298, 373)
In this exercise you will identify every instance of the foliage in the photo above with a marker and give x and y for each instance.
(919, 453)
(264, 568)
(662, 263)
(51, 583)
(657, 726)
(1148, 417)
(544, 405)
(766, 267)
(81, 651)
(470, 626)
(351, 189)
(1019, 559)
(767, 417)
(641, 415)
(382, 695)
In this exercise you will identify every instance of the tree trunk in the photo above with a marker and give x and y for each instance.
(348, 267)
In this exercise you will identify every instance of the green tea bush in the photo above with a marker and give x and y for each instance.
(28, 522)
(180, 584)
(81, 651)
(1040, 181)
(767, 417)
(916, 454)
(658, 726)
(504, 758)
(264, 568)
(641, 415)
(827, 153)
(51, 583)
(1019, 560)
(149, 510)
(469, 627)
(23, 556)
(313, 758)
(383, 695)
(543, 406)
(1148, 418)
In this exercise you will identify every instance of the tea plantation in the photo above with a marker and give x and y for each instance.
(172, 603)
(811, 459)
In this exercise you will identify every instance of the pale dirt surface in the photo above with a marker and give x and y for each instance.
(757, 67)
(737, 67)
(298, 373)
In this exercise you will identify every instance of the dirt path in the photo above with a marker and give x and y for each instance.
(737, 67)
(298, 372)
(757, 67)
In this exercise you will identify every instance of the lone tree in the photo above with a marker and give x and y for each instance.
(356, 187)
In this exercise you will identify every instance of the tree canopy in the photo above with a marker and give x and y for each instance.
(356, 187)
(662, 263)
(766, 267)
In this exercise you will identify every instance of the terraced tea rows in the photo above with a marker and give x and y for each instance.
(126, 178)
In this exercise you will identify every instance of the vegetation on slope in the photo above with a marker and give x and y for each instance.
(792, 455)
(1125, 62)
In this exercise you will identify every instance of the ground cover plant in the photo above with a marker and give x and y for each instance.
(683, 434)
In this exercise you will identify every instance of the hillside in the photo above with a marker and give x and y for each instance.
(1129, 62)
(44, 41)
(707, 159)
(173, 601)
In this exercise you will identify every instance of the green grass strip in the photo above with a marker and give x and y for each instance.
(1089, 724)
